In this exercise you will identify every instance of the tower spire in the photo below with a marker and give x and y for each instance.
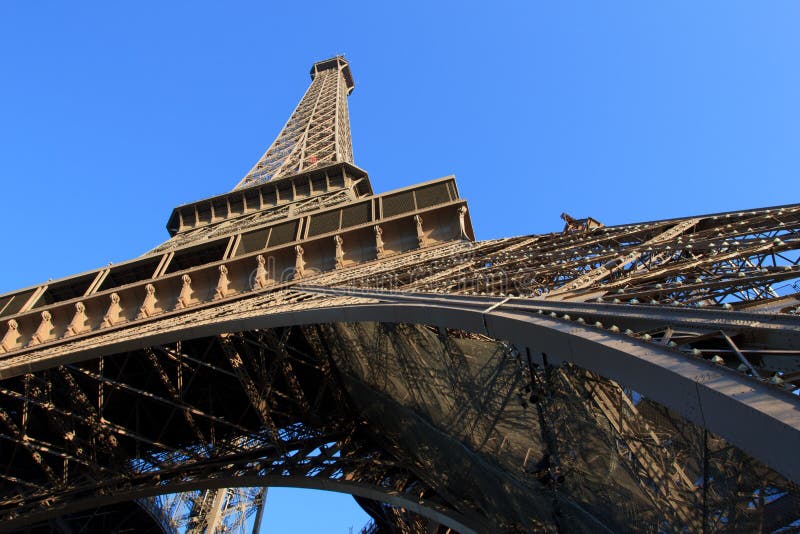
(317, 133)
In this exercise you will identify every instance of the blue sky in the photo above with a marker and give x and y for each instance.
(112, 113)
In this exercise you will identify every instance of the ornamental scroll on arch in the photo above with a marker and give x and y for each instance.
(44, 332)
(148, 307)
(11, 338)
(112, 314)
(462, 223)
(185, 297)
(339, 254)
(78, 323)
(260, 279)
(299, 262)
(421, 239)
(222, 284)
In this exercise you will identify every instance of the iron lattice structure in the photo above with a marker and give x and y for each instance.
(318, 132)
(304, 331)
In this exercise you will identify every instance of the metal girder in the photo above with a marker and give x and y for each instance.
(603, 271)
(729, 403)
(318, 131)
(300, 330)
(665, 475)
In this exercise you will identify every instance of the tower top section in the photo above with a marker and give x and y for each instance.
(317, 133)
(339, 63)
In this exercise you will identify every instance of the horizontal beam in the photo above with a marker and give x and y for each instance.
(446, 517)
(734, 406)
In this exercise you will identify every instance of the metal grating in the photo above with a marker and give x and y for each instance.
(432, 195)
(355, 215)
(283, 233)
(237, 206)
(128, 274)
(68, 289)
(398, 203)
(451, 187)
(13, 303)
(317, 133)
(251, 200)
(318, 184)
(336, 180)
(285, 193)
(252, 241)
(324, 223)
(591, 454)
(269, 198)
(195, 256)
(204, 214)
(302, 189)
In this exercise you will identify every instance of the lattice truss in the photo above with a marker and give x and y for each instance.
(610, 460)
(323, 403)
(220, 510)
(316, 134)
(250, 409)
(383, 411)
(746, 260)
(430, 429)
(253, 220)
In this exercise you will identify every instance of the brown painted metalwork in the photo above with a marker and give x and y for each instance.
(304, 331)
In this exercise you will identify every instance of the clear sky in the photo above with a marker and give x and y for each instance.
(112, 113)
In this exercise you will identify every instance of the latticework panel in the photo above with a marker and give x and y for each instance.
(316, 134)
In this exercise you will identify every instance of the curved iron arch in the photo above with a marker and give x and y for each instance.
(734, 406)
(428, 510)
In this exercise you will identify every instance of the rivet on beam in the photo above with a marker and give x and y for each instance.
(78, 322)
(112, 315)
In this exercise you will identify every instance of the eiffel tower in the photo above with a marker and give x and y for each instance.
(302, 330)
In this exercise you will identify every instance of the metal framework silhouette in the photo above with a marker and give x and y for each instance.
(303, 331)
